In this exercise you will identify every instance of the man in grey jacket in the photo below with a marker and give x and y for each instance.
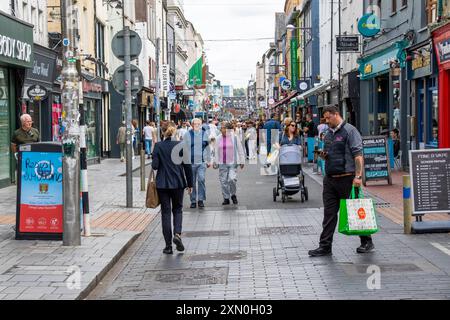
(344, 168)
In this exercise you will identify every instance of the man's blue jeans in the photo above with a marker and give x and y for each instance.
(199, 172)
(148, 146)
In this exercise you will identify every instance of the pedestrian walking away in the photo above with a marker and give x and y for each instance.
(343, 166)
(272, 126)
(229, 155)
(171, 181)
(197, 146)
(148, 133)
(121, 140)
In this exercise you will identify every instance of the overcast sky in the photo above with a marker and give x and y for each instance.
(234, 62)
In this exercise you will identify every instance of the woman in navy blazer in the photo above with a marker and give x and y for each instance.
(171, 181)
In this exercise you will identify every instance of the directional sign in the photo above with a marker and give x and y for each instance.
(286, 84)
(137, 80)
(118, 49)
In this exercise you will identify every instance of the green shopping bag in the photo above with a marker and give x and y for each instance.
(357, 216)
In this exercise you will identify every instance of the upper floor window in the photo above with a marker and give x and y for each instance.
(404, 3)
(394, 6)
(432, 6)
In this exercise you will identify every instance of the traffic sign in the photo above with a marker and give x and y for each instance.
(137, 80)
(118, 49)
(286, 84)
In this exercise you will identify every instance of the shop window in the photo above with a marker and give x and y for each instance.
(434, 116)
(4, 126)
(91, 129)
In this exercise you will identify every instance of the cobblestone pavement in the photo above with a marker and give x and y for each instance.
(261, 253)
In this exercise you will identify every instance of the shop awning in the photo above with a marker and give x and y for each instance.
(285, 100)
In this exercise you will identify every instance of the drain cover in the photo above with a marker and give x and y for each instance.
(219, 256)
(205, 234)
(304, 230)
(187, 277)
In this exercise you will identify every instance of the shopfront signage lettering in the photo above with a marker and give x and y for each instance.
(368, 68)
(444, 50)
(91, 87)
(41, 69)
(15, 49)
(421, 61)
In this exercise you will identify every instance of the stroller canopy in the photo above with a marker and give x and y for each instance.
(290, 154)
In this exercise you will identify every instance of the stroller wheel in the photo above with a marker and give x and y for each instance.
(306, 194)
(275, 194)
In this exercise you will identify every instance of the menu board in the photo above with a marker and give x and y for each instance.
(430, 180)
(376, 159)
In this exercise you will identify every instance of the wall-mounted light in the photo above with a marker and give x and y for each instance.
(380, 89)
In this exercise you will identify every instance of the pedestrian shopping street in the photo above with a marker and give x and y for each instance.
(258, 250)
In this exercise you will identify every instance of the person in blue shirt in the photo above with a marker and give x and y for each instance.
(270, 125)
(197, 146)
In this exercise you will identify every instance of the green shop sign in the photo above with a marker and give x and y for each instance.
(380, 62)
(16, 42)
(294, 61)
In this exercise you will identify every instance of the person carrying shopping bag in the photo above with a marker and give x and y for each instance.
(228, 156)
(172, 179)
(343, 166)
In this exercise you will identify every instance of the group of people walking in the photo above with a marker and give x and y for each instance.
(205, 146)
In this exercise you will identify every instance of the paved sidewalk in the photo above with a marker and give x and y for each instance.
(42, 269)
(388, 199)
(241, 252)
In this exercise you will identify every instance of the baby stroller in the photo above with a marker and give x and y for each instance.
(290, 179)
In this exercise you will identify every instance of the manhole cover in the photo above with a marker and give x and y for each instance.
(187, 277)
(219, 256)
(353, 269)
(304, 230)
(205, 234)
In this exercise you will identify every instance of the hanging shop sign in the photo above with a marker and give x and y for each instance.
(40, 192)
(420, 62)
(16, 42)
(369, 25)
(376, 159)
(286, 84)
(347, 43)
(37, 93)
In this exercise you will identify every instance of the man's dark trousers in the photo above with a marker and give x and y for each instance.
(335, 189)
(171, 202)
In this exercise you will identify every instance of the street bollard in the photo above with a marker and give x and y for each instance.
(142, 170)
(407, 205)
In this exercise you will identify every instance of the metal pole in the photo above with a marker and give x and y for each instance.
(339, 64)
(84, 174)
(129, 163)
(142, 170)
(71, 127)
(407, 205)
(158, 104)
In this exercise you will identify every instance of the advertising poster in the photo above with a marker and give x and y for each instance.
(376, 159)
(41, 194)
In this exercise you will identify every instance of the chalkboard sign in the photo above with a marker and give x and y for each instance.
(430, 180)
(376, 159)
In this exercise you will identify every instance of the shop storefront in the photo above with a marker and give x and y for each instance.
(92, 98)
(421, 73)
(380, 88)
(441, 38)
(16, 55)
(38, 98)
